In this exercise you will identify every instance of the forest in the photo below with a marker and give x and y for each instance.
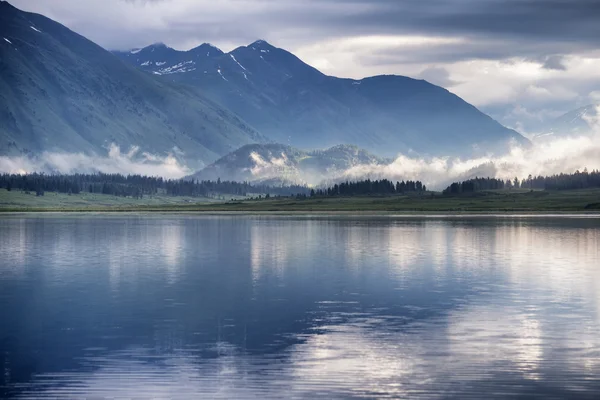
(577, 180)
(138, 186)
(369, 187)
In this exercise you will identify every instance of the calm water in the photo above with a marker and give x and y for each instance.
(187, 307)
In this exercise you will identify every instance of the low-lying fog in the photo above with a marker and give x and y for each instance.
(543, 158)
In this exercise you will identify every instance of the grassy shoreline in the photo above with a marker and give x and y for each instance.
(492, 202)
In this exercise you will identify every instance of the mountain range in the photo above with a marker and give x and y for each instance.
(61, 92)
(281, 164)
(294, 103)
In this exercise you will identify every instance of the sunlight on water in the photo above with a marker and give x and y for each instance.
(270, 307)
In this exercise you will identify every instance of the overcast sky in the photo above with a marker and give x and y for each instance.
(522, 61)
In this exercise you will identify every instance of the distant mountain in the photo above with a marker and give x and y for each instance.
(276, 164)
(295, 104)
(578, 122)
(60, 91)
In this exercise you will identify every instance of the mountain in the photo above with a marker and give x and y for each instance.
(295, 104)
(61, 92)
(582, 121)
(277, 163)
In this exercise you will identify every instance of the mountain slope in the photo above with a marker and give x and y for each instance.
(59, 91)
(574, 123)
(294, 103)
(278, 163)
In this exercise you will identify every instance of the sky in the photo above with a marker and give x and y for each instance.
(524, 62)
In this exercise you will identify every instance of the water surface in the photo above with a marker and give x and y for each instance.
(181, 306)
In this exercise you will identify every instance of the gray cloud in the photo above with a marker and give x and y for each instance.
(438, 76)
(563, 25)
(555, 62)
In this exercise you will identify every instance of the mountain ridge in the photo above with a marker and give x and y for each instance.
(581, 121)
(294, 103)
(61, 92)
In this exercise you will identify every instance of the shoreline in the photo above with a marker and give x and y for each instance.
(365, 213)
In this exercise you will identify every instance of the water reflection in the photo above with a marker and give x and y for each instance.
(235, 307)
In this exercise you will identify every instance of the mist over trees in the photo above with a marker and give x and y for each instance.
(577, 180)
(137, 185)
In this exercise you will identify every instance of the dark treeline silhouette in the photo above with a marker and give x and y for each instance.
(369, 187)
(578, 180)
(138, 185)
(474, 185)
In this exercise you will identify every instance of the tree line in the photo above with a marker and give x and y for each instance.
(369, 187)
(137, 185)
(577, 180)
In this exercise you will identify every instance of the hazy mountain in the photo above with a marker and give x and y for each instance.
(294, 103)
(60, 91)
(578, 122)
(278, 163)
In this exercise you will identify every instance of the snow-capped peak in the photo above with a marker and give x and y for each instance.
(208, 49)
(260, 44)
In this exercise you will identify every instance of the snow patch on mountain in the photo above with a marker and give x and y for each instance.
(8, 40)
(219, 71)
(35, 29)
(236, 61)
(159, 63)
(145, 64)
(135, 51)
(185, 66)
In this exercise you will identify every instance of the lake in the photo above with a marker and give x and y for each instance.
(186, 306)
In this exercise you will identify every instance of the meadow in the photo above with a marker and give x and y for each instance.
(524, 201)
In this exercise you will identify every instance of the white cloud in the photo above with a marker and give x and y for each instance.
(114, 162)
(562, 155)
